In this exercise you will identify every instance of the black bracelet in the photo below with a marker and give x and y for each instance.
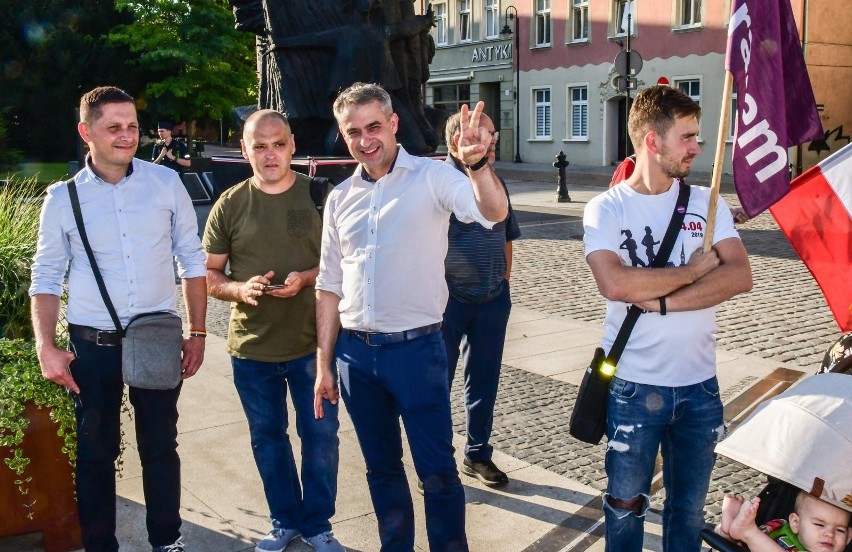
(663, 305)
(479, 164)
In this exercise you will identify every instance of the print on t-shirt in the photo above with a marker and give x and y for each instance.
(691, 228)
(630, 245)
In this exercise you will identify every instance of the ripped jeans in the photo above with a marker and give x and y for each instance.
(686, 423)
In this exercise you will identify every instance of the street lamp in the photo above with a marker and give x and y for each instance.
(512, 15)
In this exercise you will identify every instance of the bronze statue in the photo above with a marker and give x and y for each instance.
(310, 50)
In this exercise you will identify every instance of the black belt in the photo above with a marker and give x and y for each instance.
(374, 339)
(105, 338)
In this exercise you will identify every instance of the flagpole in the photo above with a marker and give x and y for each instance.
(716, 180)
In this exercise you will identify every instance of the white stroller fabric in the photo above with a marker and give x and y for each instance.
(802, 436)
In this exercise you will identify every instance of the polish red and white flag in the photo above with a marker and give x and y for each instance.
(816, 216)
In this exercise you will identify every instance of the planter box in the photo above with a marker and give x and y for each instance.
(51, 490)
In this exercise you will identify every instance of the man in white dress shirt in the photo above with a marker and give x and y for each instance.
(138, 218)
(381, 295)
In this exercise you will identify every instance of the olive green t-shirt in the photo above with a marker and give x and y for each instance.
(261, 232)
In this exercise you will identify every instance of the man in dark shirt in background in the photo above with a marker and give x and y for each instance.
(477, 268)
(170, 152)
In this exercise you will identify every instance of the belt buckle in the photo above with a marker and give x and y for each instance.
(100, 343)
(367, 340)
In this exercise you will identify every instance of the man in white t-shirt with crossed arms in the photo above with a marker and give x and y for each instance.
(664, 393)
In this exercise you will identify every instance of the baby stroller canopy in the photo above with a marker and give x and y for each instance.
(803, 436)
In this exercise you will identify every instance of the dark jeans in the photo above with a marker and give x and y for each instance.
(480, 331)
(686, 423)
(380, 384)
(262, 387)
(97, 370)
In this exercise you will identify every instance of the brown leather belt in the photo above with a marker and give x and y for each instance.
(104, 338)
(375, 339)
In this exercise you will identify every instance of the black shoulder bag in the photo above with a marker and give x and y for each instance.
(152, 342)
(588, 418)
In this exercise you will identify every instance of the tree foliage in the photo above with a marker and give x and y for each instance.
(51, 52)
(198, 64)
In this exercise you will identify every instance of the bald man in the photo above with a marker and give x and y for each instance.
(269, 229)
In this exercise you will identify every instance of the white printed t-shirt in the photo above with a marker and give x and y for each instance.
(679, 348)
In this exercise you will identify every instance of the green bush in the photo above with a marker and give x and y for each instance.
(20, 209)
(21, 381)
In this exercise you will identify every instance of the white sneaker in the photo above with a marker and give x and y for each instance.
(276, 540)
(324, 542)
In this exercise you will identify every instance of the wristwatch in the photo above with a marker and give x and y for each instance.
(479, 164)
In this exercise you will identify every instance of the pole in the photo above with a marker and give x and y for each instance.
(716, 180)
(517, 57)
(628, 147)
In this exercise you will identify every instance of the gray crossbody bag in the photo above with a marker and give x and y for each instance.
(151, 344)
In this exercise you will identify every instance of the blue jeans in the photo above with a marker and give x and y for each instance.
(262, 387)
(97, 371)
(380, 384)
(686, 422)
(480, 329)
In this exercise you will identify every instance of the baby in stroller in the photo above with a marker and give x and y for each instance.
(800, 440)
(813, 526)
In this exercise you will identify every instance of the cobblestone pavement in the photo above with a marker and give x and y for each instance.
(531, 424)
(784, 318)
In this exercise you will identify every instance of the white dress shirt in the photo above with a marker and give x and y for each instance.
(136, 228)
(384, 243)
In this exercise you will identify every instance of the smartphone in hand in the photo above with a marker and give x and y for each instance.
(274, 286)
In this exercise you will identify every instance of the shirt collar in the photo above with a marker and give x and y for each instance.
(95, 175)
(450, 160)
(402, 157)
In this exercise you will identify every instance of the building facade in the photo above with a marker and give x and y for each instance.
(474, 61)
(564, 76)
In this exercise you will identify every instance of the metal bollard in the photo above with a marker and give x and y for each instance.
(562, 186)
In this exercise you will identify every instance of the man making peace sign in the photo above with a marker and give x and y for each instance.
(381, 295)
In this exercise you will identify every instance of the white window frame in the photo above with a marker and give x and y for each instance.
(547, 108)
(619, 18)
(543, 23)
(691, 11)
(464, 21)
(578, 12)
(579, 104)
(441, 24)
(492, 18)
(692, 79)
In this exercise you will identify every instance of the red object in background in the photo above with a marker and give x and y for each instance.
(816, 216)
(623, 170)
(663, 81)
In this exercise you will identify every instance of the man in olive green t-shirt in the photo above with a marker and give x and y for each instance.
(268, 229)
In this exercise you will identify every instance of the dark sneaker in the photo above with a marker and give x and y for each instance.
(178, 546)
(486, 472)
(276, 540)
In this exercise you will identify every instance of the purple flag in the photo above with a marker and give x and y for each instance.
(776, 108)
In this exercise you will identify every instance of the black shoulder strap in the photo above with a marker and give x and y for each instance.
(660, 260)
(320, 186)
(78, 218)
